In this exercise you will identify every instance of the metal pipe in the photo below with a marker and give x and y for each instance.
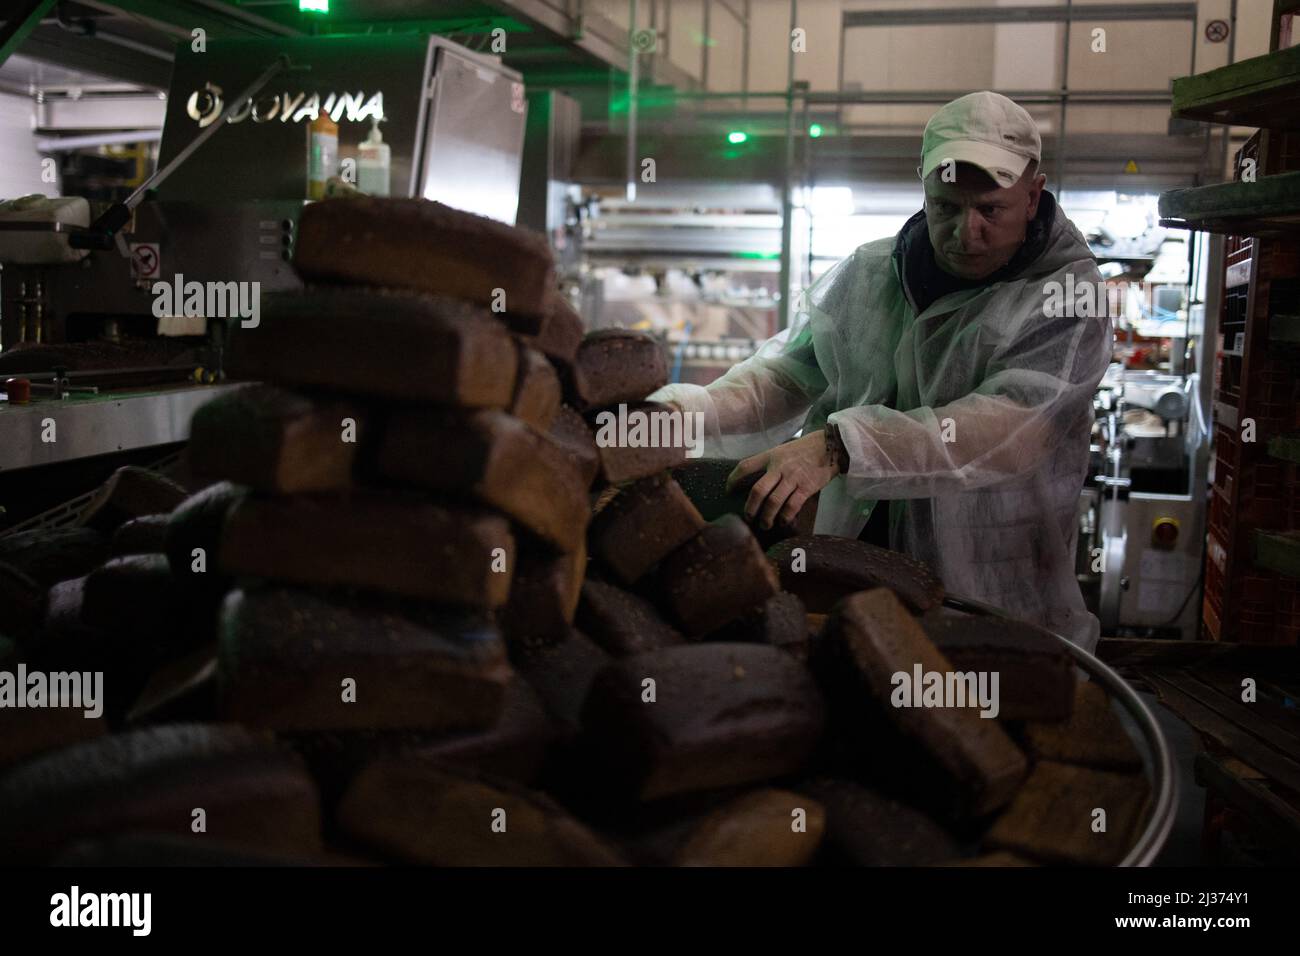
(934, 16)
(839, 83)
(66, 143)
(744, 60)
(19, 23)
(88, 29)
(787, 204)
(1232, 33)
(631, 101)
(1065, 92)
(704, 47)
(805, 185)
(1100, 97)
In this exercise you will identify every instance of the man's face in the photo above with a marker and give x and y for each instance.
(976, 226)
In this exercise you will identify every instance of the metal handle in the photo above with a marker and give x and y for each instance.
(102, 233)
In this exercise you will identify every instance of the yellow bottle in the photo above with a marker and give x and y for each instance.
(322, 154)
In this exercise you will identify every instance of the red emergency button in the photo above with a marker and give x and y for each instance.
(1164, 533)
(19, 390)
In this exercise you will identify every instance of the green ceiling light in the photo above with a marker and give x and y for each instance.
(815, 130)
(314, 6)
(736, 137)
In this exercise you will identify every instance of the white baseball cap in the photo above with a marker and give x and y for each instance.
(987, 129)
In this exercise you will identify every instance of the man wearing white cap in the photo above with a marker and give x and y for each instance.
(939, 371)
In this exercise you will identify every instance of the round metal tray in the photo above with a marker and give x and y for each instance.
(1157, 762)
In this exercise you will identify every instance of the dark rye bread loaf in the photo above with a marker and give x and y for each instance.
(715, 577)
(965, 762)
(643, 523)
(1052, 816)
(420, 811)
(179, 691)
(621, 622)
(251, 792)
(137, 596)
(543, 595)
(275, 441)
(165, 850)
(537, 390)
(65, 633)
(723, 714)
(514, 747)
(143, 535)
(562, 675)
(828, 567)
(194, 537)
(1092, 736)
(31, 731)
(780, 621)
(558, 333)
(659, 446)
(426, 246)
(865, 828)
(765, 827)
(704, 480)
(569, 430)
(495, 459)
(130, 492)
(373, 343)
(1036, 674)
(51, 555)
(618, 365)
(373, 541)
(998, 858)
(22, 602)
(285, 654)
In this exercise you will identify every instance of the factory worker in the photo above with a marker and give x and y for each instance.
(942, 377)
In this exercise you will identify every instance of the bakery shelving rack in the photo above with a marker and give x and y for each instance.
(1252, 591)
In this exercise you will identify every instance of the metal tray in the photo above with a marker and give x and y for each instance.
(1157, 762)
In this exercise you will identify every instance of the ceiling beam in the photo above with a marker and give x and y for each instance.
(19, 24)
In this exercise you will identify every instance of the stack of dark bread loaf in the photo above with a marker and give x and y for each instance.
(415, 611)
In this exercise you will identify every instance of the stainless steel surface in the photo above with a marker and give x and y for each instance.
(98, 426)
(203, 241)
(552, 132)
(1158, 761)
(16, 226)
(85, 113)
(1156, 587)
(473, 147)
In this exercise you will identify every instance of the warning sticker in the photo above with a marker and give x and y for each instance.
(146, 260)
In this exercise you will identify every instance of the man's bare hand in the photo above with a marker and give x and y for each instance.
(796, 471)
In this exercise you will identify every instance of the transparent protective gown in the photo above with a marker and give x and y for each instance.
(972, 418)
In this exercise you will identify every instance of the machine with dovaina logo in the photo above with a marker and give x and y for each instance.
(253, 129)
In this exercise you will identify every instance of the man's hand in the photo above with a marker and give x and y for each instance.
(796, 471)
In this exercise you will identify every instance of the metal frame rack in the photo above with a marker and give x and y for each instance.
(1252, 571)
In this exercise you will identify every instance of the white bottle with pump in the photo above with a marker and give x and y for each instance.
(373, 162)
